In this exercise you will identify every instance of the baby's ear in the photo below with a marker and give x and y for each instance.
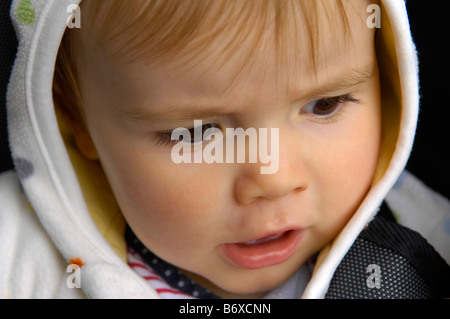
(84, 141)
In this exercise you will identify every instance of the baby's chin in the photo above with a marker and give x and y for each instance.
(239, 283)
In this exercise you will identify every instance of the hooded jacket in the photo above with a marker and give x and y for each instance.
(58, 220)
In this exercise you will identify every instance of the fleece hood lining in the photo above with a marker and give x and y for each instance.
(29, 97)
(51, 145)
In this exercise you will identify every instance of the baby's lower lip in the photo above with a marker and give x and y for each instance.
(264, 252)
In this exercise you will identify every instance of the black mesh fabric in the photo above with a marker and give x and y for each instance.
(354, 278)
(404, 264)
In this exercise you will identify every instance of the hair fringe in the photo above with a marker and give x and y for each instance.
(191, 30)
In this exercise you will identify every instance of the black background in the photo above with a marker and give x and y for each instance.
(430, 158)
(8, 45)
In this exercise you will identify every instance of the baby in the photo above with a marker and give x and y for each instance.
(144, 68)
(140, 81)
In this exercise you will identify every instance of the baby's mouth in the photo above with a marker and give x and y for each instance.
(264, 239)
(264, 251)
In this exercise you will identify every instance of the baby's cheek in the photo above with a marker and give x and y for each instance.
(172, 197)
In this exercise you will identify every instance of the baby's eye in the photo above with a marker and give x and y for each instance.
(200, 134)
(327, 107)
(196, 136)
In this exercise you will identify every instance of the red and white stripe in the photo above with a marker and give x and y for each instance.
(161, 287)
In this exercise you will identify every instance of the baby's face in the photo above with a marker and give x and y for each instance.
(234, 230)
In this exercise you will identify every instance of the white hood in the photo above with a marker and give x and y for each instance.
(55, 187)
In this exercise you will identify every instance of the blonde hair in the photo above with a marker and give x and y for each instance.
(190, 30)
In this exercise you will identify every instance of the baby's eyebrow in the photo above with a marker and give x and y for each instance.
(172, 113)
(343, 81)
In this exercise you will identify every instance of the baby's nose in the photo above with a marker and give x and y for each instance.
(291, 177)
